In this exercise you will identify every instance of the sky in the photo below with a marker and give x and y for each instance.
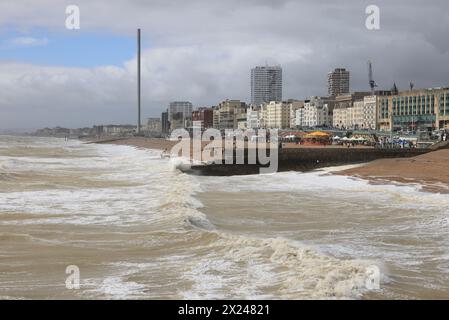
(202, 51)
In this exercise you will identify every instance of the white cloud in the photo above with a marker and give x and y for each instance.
(44, 95)
(28, 42)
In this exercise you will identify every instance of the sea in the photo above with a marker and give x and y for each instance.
(136, 227)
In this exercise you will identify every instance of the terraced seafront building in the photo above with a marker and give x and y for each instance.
(424, 109)
(360, 114)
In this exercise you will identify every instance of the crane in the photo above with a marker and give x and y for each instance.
(372, 83)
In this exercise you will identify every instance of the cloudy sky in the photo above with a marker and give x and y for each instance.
(202, 51)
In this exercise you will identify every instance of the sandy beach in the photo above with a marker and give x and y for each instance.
(431, 170)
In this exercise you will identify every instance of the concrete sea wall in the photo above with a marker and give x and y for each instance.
(306, 159)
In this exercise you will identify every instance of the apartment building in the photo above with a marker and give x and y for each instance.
(203, 116)
(338, 82)
(294, 105)
(361, 115)
(228, 114)
(277, 115)
(423, 109)
(316, 113)
(179, 114)
(266, 84)
(299, 117)
(253, 115)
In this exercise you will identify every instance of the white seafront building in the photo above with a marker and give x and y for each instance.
(253, 115)
(294, 106)
(277, 115)
(362, 115)
(315, 113)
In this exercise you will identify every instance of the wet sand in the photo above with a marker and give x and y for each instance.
(430, 169)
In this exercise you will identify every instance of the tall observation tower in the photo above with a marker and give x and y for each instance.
(138, 82)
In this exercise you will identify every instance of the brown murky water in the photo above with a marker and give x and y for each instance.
(139, 229)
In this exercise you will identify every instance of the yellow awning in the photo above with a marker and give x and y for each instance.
(318, 134)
